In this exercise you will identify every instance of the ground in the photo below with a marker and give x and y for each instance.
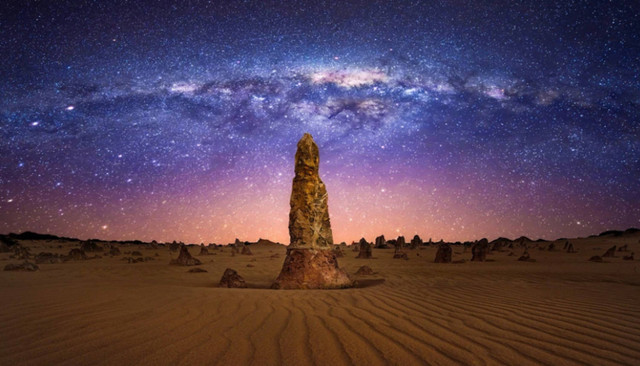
(560, 310)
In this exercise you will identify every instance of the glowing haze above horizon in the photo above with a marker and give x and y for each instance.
(453, 119)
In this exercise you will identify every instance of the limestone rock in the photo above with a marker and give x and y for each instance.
(365, 249)
(610, 253)
(246, 250)
(26, 267)
(45, 257)
(570, 248)
(310, 262)
(76, 254)
(628, 257)
(311, 269)
(381, 242)
(364, 271)
(197, 270)
(231, 279)
(624, 248)
(309, 225)
(596, 258)
(479, 251)
(185, 258)
(338, 251)
(400, 242)
(525, 257)
(203, 250)
(173, 247)
(90, 246)
(416, 242)
(114, 251)
(444, 254)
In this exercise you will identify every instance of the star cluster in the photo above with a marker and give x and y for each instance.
(456, 120)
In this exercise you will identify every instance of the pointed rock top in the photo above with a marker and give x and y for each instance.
(307, 156)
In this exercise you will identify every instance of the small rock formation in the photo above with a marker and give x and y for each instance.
(364, 271)
(525, 257)
(479, 251)
(381, 242)
(569, 247)
(400, 254)
(203, 250)
(310, 262)
(365, 249)
(628, 257)
(26, 267)
(136, 253)
(551, 247)
(444, 254)
(416, 242)
(114, 251)
(566, 245)
(197, 270)
(185, 258)
(45, 257)
(338, 251)
(623, 248)
(173, 247)
(610, 253)
(246, 250)
(76, 254)
(90, 246)
(596, 258)
(231, 279)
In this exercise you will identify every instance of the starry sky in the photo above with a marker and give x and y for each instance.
(448, 119)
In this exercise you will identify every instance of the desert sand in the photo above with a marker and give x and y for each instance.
(560, 310)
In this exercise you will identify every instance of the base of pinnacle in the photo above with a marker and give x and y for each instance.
(306, 268)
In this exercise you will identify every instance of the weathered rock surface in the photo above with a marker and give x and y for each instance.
(610, 253)
(624, 248)
(444, 254)
(114, 251)
(400, 242)
(628, 257)
(185, 258)
(246, 250)
(50, 258)
(311, 269)
(174, 247)
(90, 246)
(416, 242)
(310, 262)
(596, 258)
(231, 279)
(570, 248)
(76, 254)
(525, 257)
(364, 271)
(197, 270)
(364, 249)
(338, 251)
(309, 225)
(203, 250)
(26, 267)
(381, 242)
(479, 251)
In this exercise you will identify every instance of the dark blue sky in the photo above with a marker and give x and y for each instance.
(451, 119)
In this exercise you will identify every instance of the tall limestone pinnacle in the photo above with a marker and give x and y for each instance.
(309, 225)
(311, 262)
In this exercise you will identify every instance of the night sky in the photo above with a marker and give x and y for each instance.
(451, 119)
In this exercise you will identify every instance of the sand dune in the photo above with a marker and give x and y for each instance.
(560, 310)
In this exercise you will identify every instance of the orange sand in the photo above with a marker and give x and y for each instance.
(561, 310)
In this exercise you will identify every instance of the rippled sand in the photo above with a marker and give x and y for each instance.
(560, 310)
